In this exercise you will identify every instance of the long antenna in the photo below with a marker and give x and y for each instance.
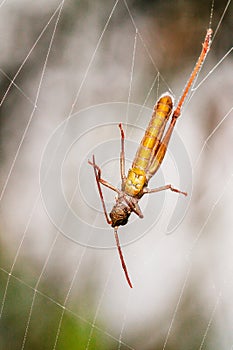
(121, 257)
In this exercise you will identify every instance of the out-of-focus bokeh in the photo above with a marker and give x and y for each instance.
(70, 71)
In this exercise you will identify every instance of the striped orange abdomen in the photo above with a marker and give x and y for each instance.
(136, 178)
(162, 111)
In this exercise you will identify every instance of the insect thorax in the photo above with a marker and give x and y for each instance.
(135, 182)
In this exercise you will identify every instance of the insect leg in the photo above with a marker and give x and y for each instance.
(163, 188)
(162, 149)
(122, 156)
(159, 155)
(99, 180)
(196, 70)
(134, 207)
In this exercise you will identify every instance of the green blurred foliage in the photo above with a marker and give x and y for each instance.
(45, 317)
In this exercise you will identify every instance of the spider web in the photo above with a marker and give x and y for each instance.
(70, 72)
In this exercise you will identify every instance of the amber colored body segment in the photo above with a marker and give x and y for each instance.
(162, 111)
(137, 175)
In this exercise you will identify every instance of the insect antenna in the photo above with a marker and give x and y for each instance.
(121, 257)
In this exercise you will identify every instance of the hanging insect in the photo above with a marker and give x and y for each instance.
(148, 159)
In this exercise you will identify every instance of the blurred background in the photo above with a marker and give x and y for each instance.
(70, 71)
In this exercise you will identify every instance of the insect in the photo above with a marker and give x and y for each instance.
(148, 158)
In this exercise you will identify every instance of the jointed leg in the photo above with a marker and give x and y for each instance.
(163, 188)
(134, 207)
(97, 171)
(99, 181)
(122, 155)
(160, 153)
(196, 70)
